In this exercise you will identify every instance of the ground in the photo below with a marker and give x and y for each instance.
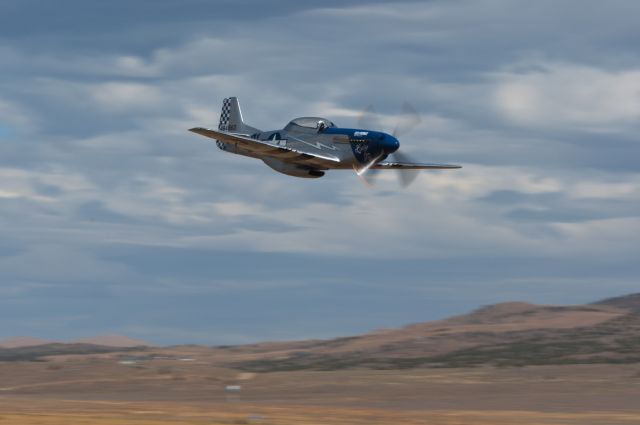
(100, 390)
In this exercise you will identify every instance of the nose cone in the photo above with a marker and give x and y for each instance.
(390, 144)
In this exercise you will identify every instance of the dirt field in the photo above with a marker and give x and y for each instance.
(163, 413)
(101, 390)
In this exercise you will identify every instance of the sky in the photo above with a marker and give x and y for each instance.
(115, 219)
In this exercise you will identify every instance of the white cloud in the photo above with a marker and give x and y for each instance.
(126, 97)
(570, 96)
(20, 183)
(595, 238)
(398, 11)
(627, 190)
(438, 217)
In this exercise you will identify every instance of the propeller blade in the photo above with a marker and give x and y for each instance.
(365, 173)
(369, 119)
(370, 177)
(406, 176)
(409, 119)
(362, 170)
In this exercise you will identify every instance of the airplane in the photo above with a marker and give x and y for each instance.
(309, 146)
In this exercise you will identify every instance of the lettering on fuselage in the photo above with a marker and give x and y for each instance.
(360, 133)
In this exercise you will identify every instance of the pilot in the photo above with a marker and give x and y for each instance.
(321, 126)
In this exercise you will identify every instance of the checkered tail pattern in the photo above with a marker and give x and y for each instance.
(223, 125)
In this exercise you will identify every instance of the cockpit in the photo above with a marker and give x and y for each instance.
(309, 123)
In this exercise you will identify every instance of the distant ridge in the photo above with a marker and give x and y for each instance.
(22, 341)
(113, 340)
(110, 340)
(505, 334)
(494, 312)
(627, 302)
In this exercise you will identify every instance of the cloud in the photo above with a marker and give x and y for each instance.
(117, 97)
(102, 184)
(571, 96)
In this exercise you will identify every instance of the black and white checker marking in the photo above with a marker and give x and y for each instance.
(225, 115)
(224, 121)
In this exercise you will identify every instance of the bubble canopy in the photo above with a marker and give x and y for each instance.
(314, 123)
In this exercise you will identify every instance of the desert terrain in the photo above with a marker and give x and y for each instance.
(503, 364)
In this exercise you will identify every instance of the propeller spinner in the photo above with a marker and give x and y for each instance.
(389, 144)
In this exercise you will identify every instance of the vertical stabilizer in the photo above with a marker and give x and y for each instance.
(231, 118)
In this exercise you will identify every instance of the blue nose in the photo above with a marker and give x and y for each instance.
(390, 144)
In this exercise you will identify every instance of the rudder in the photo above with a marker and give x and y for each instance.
(231, 118)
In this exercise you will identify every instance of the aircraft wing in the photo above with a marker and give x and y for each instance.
(412, 166)
(264, 147)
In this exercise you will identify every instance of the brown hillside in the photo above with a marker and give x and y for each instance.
(509, 333)
(22, 341)
(113, 340)
(630, 303)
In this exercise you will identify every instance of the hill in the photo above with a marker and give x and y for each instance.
(629, 303)
(508, 334)
(40, 352)
(109, 340)
(22, 341)
(113, 340)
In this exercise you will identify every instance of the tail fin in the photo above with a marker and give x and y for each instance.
(231, 118)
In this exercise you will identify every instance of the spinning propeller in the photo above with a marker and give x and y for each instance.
(407, 122)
